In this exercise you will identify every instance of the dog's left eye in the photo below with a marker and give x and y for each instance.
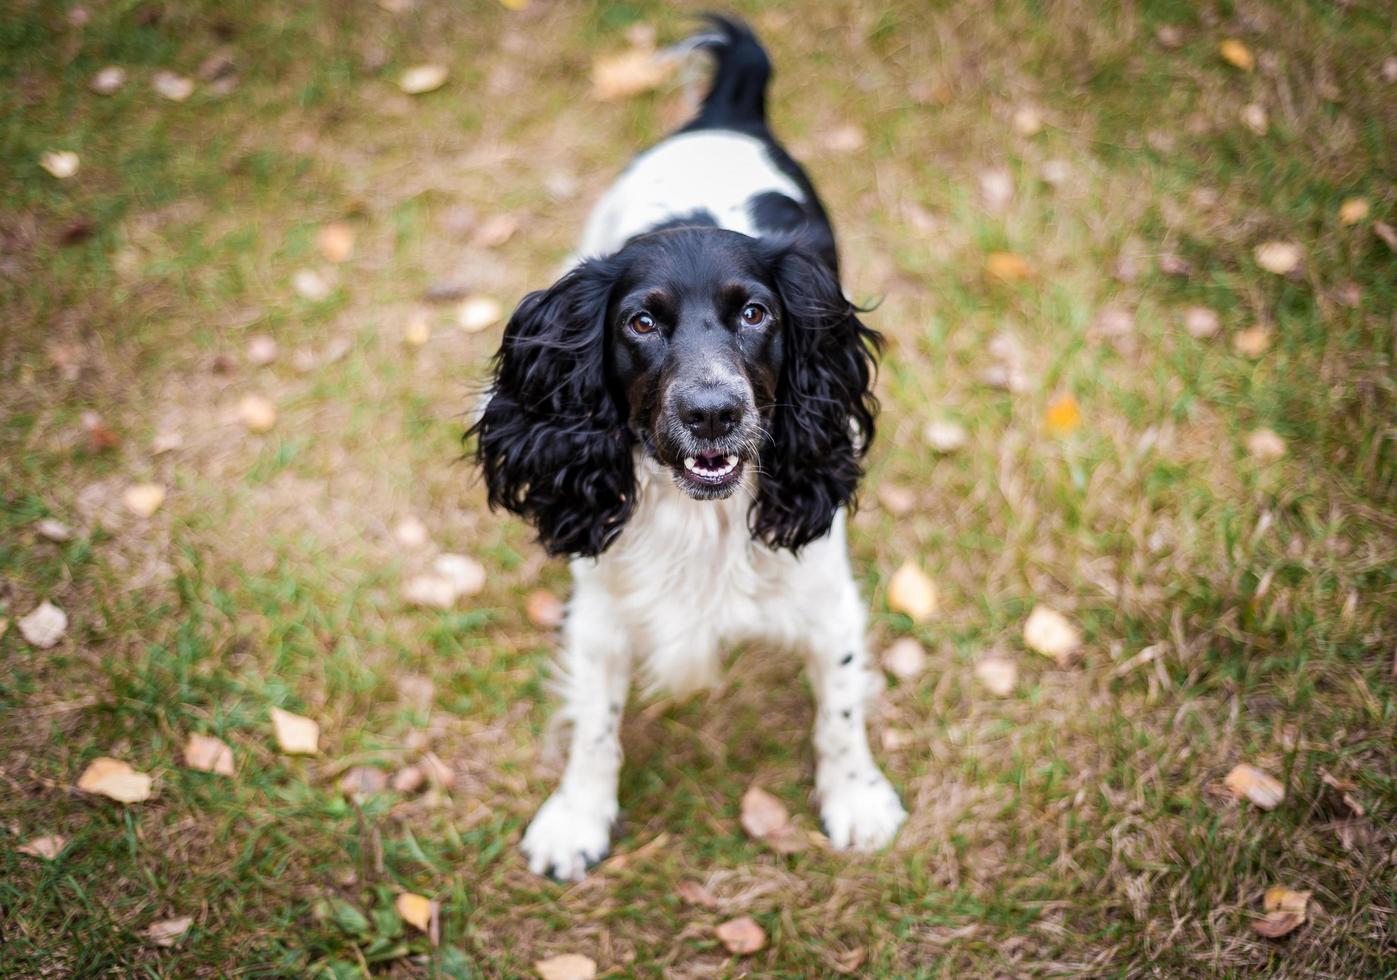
(754, 315)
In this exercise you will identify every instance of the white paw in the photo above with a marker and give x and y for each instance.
(568, 835)
(859, 808)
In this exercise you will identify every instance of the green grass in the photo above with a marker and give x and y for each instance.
(1075, 827)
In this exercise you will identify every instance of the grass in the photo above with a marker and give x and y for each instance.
(1075, 827)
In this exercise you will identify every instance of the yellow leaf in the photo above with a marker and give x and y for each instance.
(741, 936)
(568, 966)
(60, 163)
(208, 754)
(418, 330)
(1063, 415)
(421, 79)
(1286, 911)
(257, 413)
(143, 499)
(765, 819)
(1277, 257)
(1251, 783)
(911, 591)
(1353, 210)
(295, 734)
(636, 70)
(514, 4)
(1237, 54)
(1253, 341)
(174, 87)
(416, 910)
(336, 241)
(1052, 634)
(115, 780)
(1007, 267)
(1265, 445)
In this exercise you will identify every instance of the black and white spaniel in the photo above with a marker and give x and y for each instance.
(684, 415)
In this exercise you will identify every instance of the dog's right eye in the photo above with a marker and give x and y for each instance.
(643, 323)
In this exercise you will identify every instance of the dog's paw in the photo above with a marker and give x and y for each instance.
(860, 810)
(568, 835)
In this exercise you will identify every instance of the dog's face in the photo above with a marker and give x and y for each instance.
(695, 350)
(712, 352)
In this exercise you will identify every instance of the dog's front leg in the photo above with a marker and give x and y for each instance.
(572, 830)
(859, 808)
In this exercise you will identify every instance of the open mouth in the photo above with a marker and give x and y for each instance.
(709, 473)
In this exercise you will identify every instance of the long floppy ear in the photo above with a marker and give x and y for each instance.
(825, 409)
(552, 442)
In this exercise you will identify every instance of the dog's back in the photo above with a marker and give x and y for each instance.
(723, 169)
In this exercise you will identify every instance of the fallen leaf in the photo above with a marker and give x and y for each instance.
(1280, 258)
(765, 819)
(695, 894)
(174, 87)
(416, 910)
(1052, 634)
(1028, 121)
(1169, 36)
(1265, 445)
(996, 188)
(430, 591)
(1354, 210)
(1389, 69)
(335, 241)
(165, 442)
(477, 313)
(45, 626)
(628, 73)
(360, 782)
(998, 674)
(143, 499)
(1237, 54)
(418, 330)
(1387, 233)
(100, 436)
(466, 575)
(514, 4)
(848, 138)
(47, 848)
(1007, 267)
(905, 659)
(1254, 118)
(257, 413)
(944, 436)
(1173, 264)
(1055, 172)
(408, 779)
(311, 285)
(494, 231)
(1249, 782)
(60, 163)
(295, 734)
(544, 609)
(567, 966)
(896, 739)
(411, 533)
(1345, 789)
(261, 350)
(1201, 322)
(741, 936)
(108, 80)
(421, 79)
(116, 780)
(1286, 911)
(1063, 415)
(850, 960)
(167, 932)
(1113, 322)
(912, 592)
(896, 499)
(1253, 341)
(436, 771)
(52, 530)
(208, 754)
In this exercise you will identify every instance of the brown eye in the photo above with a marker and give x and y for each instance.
(643, 323)
(754, 315)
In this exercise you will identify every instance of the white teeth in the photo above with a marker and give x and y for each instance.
(729, 464)
(732, 461)
(689, 462)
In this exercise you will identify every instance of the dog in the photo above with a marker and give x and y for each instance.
(684, 415)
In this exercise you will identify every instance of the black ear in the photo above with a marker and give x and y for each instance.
(825, 408)
(552, 442)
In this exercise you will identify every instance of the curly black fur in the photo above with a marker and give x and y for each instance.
(552, 442)
(826, 409)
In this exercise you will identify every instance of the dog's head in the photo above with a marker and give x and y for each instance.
(714, 352)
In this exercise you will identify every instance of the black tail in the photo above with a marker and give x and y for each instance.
(737, 99)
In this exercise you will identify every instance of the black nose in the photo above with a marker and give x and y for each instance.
(710, 413)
